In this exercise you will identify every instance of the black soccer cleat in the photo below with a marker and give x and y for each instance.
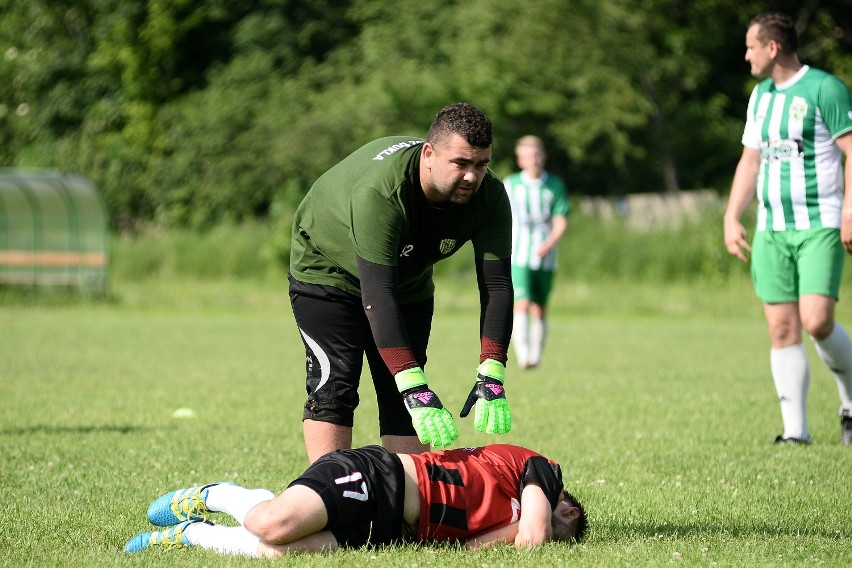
(846, 426)
(792, 441)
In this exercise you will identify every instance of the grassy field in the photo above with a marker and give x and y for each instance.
(655, 399)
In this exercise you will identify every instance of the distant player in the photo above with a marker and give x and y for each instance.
(539, 219)
(369, 496)
(798, 127)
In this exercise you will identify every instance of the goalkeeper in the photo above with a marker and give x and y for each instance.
(364, 241)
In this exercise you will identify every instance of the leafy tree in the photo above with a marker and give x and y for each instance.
(193, 112)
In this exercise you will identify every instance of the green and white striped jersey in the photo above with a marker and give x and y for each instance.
(794, 125)
(534, 203)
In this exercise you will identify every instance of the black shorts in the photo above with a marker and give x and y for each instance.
(337, 335)
(364, 494)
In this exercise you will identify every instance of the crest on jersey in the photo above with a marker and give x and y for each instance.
(447, 246)
(798, 109)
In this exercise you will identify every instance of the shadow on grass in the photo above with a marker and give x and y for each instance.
(58, 429)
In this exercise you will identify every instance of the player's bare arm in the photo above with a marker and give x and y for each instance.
(559, 224)
(742, 193)
(535, 526)
(503, 535)
(844, 142)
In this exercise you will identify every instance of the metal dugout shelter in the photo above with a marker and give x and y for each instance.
(53, 231)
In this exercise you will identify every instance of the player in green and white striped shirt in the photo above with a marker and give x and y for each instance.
(798, 127)
(539, 209)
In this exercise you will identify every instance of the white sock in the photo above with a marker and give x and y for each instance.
(520, 338)
(836, 351)
(224, 540)
(235, 500)
(792, 376)
(538, 333)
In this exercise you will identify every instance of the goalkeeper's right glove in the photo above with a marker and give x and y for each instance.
(492, 413)
(432, 422)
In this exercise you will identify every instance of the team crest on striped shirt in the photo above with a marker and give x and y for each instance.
(447, 246)
(798, 109)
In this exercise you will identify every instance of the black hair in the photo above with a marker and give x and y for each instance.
(582, 522)
(465, 120)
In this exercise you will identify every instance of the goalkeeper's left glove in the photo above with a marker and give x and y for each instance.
(492, 413)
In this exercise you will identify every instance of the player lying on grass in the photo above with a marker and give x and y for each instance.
(368, 496)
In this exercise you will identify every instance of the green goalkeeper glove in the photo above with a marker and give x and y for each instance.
(492, 413)
(432, 422)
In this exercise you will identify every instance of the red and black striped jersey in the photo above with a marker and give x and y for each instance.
(469, 491)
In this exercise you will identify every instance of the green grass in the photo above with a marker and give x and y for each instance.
(656, 399)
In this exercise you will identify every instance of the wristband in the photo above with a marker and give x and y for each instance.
(409, 379)
(493, 369)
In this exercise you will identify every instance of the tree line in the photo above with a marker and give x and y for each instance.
(189, 113)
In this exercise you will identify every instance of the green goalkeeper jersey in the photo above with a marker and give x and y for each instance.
(794, 125)
(371, 205)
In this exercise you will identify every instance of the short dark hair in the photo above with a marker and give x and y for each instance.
(465, 120)
(582, 522)
(777, 27)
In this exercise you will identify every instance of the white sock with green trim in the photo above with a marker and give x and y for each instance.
(222, 539)
(235, 500)
(520, 338)
(792, 376)
(836, 351)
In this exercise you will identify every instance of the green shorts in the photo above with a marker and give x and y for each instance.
(788, 264)
(532, 285)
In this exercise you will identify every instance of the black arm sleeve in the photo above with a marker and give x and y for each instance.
(378, 295)
(496, 298)
(545, 474)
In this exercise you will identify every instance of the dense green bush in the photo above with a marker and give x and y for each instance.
(226, 251)
(592, 250)
(592, 253)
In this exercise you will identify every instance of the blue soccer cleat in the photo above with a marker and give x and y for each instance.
(169, 538)
(181, 505)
